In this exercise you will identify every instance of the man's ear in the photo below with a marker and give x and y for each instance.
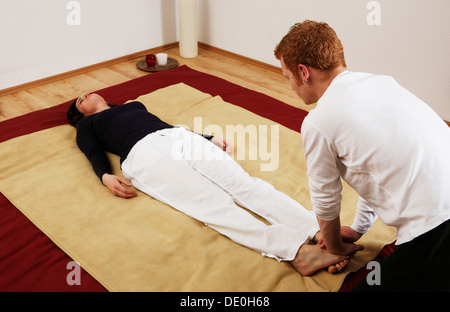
(304, 72)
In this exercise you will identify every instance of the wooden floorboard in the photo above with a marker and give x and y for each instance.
(234, 70)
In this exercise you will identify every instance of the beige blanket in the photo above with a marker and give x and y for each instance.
(140, 244)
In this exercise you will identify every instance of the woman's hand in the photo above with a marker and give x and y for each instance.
(223, 145)
(116, 185)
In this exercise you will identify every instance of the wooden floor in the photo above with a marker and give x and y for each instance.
(232, 69)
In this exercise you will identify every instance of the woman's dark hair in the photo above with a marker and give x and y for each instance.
(73, 114)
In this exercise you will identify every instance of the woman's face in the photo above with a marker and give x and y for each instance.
(89, 103)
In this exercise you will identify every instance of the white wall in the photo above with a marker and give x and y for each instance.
(412, 43)
(37, 42)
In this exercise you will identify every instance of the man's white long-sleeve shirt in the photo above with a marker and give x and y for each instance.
(387, 144)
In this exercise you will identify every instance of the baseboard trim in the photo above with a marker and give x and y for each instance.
(85, 69)
(239, 57)
(125, 58)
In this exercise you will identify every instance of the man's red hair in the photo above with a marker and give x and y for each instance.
(313, 44)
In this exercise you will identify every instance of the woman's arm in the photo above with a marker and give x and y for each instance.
(93, 150)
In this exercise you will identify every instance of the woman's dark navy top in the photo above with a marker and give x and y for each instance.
(115, 130)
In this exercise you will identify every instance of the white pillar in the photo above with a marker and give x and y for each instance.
(187, 21)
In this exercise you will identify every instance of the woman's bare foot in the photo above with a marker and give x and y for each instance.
(311, 258)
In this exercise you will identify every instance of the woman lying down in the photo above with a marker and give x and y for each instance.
(162, 161)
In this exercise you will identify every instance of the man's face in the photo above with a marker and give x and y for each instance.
(305, 91)
(297, 87)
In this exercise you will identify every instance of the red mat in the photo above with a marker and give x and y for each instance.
(29, 260)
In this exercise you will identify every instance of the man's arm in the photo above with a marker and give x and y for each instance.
(325, 187)
(364, 218)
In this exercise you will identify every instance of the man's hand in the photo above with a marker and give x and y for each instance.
(349, 235)
(333, 240)
(116, 185)
(222, 144)
(348, 249)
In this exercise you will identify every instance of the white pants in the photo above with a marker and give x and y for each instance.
(191, 174)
